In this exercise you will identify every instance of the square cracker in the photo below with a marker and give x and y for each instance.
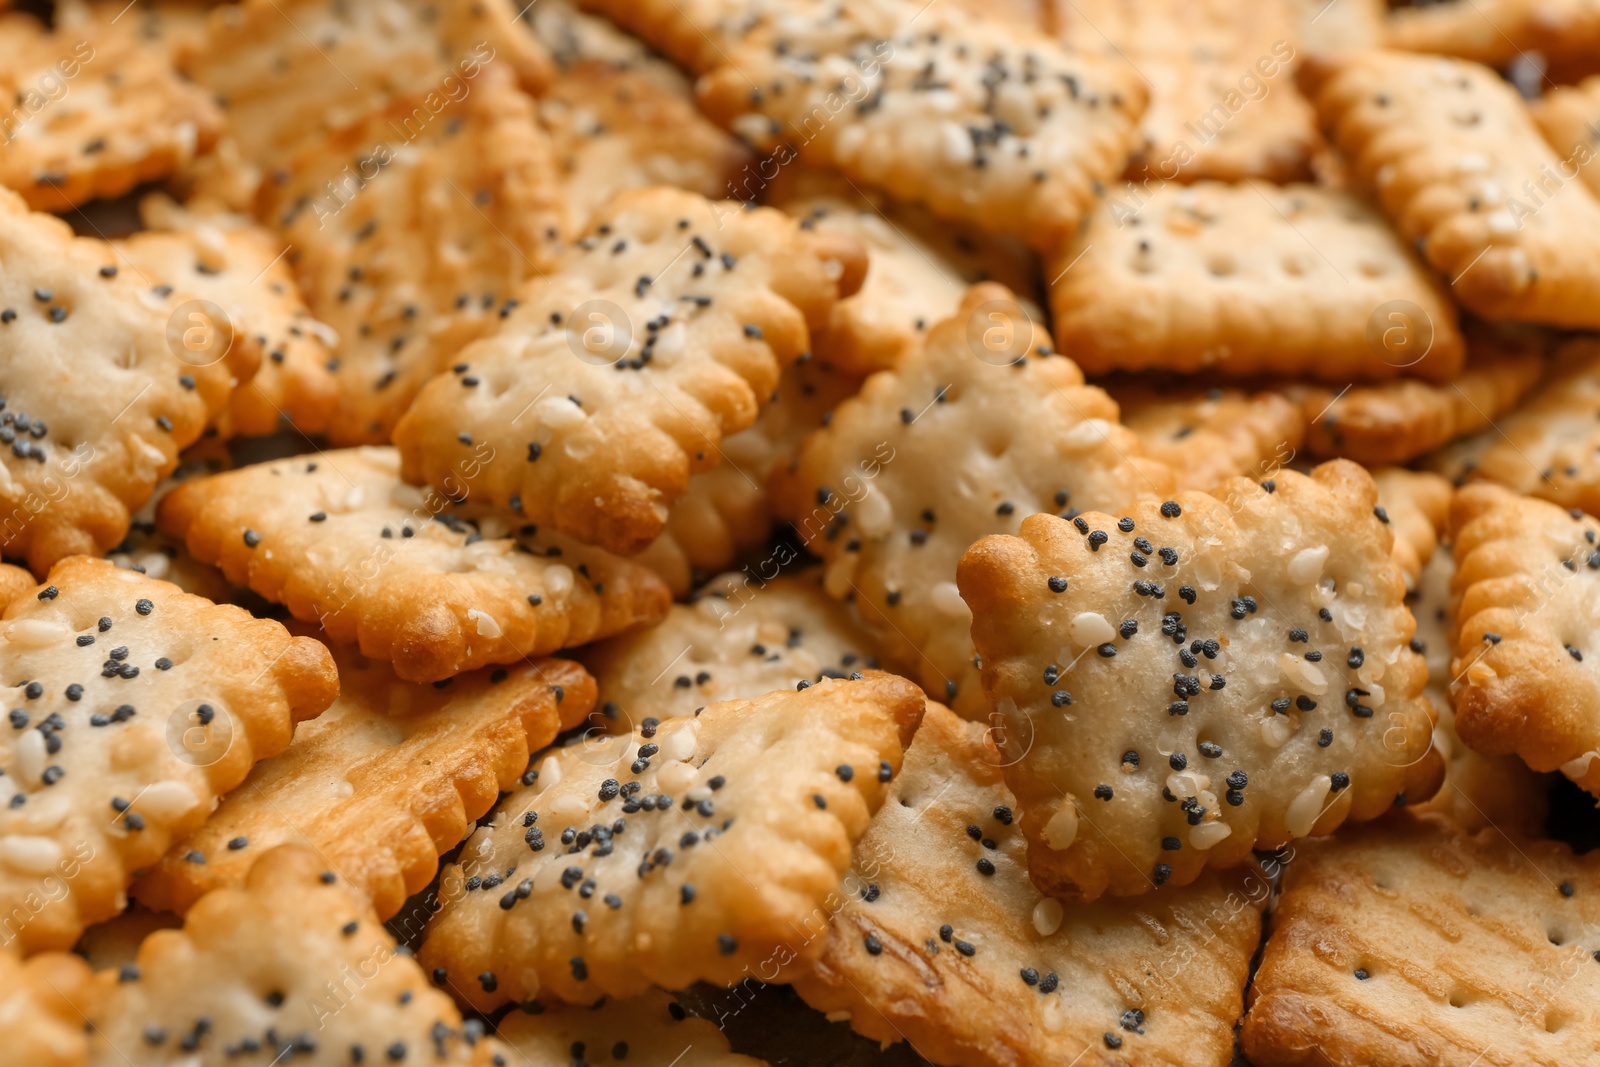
(1201, 677)
(384, 782)
(1412, 943)
(617, 375)
(1447, 146)
(685, 851)
(1208, 435)
(938, 938)
(650, 1029)
(436, 588)
(961, 440)
(1248, 279)
(134, 707)
(1569, 118)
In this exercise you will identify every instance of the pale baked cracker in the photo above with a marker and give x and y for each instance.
(1248, 279)
(1569, 118)
(435, 588)
(1411, 942)
(152, 553)
(650, 1029)
(412, 231)
(38, 1009)
(658, 333)
(1257, 562)
(1564, 33)
(696, 34)
(114, 943)
(1321, 28)
(107, 398)
(167, 26)
(114, 758)
(1416, 507)
(1446, 147)
(736, 825)
(92, 111)
(290, 965)
(740, 637)
(939, 939)
(976, 438)
(573, 37)
(1206, 436)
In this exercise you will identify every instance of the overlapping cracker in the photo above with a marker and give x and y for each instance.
(1211, 435)
(960, 441)
(114, 943)
(14, 581)
(1248, 279)
(940, 939)
(694, 33)
(1566, 33)
(659, 332)
(1412, 942)
(741, 637)
(433, 587)
(292, 966)
(685, 851)
(1447, 146)
(1416, 505)
(1261, 681)
(39, 1010)
(100, 391)
(1568, 117)
(650, 1029)
(168, 26)
(572, 37)
(1523, 674)
(412, 231)
(134, 706)
(1321, 28)
(92, 111)
(151, 552)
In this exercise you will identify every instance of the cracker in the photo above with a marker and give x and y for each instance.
(433, 587)
(1160, 280)
(115, 758)
(1566, 33)
(1568, 117)
(93, 112)
(290, 964)
(938, 937)
(1206, 436)
(107, 400)
(167, 26)
(1322, 28)
(741, 637)
(660, 332)
(693, 33)
(151, 552)
(650, 1029)
(114, 943)
(975, 437)
(1286, 703)
(412, 230)
(1525, 593)
(38, 1008)
(573, 37)
(1412, 942)
(775, 791)
(14, 581)
(1446, 147)
(1417, 506)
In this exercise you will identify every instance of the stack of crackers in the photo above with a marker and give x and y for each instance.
(711, 532)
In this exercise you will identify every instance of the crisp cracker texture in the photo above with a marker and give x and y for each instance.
(650, 1029)
(135, 706)
(433, 587)
(1568, 117)
(385, 781)
(660, 332)
(1446, 146)
(1244, 654)
(1212, 434)
(573, 36)
(39, 1009)
(290, 965)
(978, 427)
(151, 552)
(1249, 279)
(739, 824)
(1565, 33)
(1412, 943)
(1416, 507)
(941, 940)
(1527, 629)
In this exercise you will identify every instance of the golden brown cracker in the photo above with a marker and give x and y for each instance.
(14, 581)
(686, 851)
(573, 37)
(135, 706)
(114, 943)
(1412, 942)
(1569, 118)
(693, 33)
(152, 553)
(1321, 28)
(434, 587)
(39, 1009)
(1247, 279)
(1254, 645)
(1206, 436)
(1564, 33)
(1416, 507)
(650, 1029)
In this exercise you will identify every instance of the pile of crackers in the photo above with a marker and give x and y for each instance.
(992, 533)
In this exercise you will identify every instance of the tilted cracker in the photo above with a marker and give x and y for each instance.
(650, 1029)
(960, 441)
(1410, 942)
(151, 552)
(693, 33)
(1262, 679)
(93, 111)
(741, 637)
(114, 943)
(167, 26)
(290, 965)
(435, 588)
(1249, 279)
(573, 36)
(100, 390)
(1446, 147)
(938, 937)
(739, 824)
(134, 706)
(1416, 507)
(39, 1010)
(659, 332)
(1206, 436)
(1568, 117)
(1566, 33)
(412, 231)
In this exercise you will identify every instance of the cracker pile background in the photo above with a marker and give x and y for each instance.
(713, 533)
